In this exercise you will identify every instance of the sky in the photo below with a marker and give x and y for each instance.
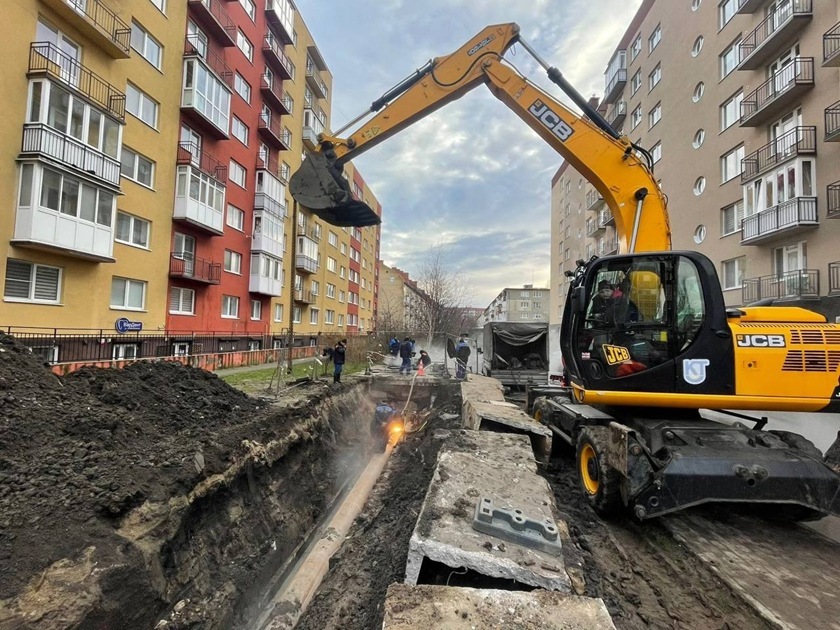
(471, 177)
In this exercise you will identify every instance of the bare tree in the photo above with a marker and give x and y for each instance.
(446, 292)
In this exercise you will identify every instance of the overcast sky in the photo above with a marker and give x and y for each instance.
(472, 175)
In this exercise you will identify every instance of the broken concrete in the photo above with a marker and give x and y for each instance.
(469, 608)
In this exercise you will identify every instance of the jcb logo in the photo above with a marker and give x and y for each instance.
(551, 120)
(615, 354)
(480, 45)
(760, 341)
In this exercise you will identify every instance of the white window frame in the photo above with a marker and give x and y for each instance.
(235, 218)
(256, 310)
(636, 47)
(239, 130)
(731, 164)
(182, 293)
(237, 173)
(160, 5)
(242, 87)
(134, 223)
(278, 312)
(655, 115)
(230, 307)
(655, 38)
(142, 106)
(244, 44)
(142, 43)
(736, 212)
(129, 282)
(729, 59)
(233, 262)
(726, 11)
(733, 105)
(250, 9)
(655, 77)
(656, 152)
(636, 117)
(296, 312)
(34, 269)
(314, 316)
(635, 83)
(739, 267)
(134, 168)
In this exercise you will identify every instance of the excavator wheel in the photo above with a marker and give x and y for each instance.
(799, 443)
(600, 483)
(542, 411)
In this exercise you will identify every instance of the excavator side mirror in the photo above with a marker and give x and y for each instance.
(579, 299)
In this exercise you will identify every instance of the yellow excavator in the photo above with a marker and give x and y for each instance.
(646, 338)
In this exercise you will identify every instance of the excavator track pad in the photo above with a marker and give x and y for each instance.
(319, 186)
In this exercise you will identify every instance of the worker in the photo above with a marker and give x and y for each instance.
(425, 359)
(462, 355)
(383, 414)
(406, 351)
(394, 346)
(338, 357)
(610, 306)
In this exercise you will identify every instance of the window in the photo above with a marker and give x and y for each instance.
(730, 111)
(141, 105)
(69, 196)
(329, 317)
(729, 58)
(733, 273)
(635, 82)
(242, 87)
(245, 45)
(278, 312)
(726, 11)
(655, 77)
(331, 264)
(256, 309)
(137, 167)
(146, 45)
(697, 46)
(332, 238)
(730, 164)
(235, 218)
(330, 290)
(655, 38)
(125, 351)
(233, 262)
(132, 230)
(239, 130)
(731, 217)
(249, 7)
(314, 314)
(237, 173)
(128, 294)
(699, 137)
(341, 295)
(342, 272)
(656, 152)
(654, 115)
(296, 314)
(340, 320)
(181, 301)
(230, 306)
(695, 4)
(30, 282)
(699, 91)
(636, 47)
(699, 186)
(206, 93)
(636, 117)
(160, 4)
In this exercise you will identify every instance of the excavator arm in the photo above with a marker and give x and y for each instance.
(610, 162)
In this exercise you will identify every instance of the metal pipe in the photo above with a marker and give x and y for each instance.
(637, 219)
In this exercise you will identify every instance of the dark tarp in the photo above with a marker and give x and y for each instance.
(519, 334)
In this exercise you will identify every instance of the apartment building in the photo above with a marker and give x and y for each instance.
(523, 304)
(737, 103)
(400, 300)
(151, 160)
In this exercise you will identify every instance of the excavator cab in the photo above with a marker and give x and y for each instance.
(653, 322)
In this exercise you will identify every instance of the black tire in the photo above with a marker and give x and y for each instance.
(542, 412)
(799, 443)
(599, 482)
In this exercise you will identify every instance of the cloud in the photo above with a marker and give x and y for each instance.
(470, 175)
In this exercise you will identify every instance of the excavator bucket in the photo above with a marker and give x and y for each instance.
(319, 186)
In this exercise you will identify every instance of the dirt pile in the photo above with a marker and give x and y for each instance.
(77, 453)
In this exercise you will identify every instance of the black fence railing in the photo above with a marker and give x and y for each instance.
(195, 46)
(800, 71)
(45, 57)
(187, 266)
(831, 42)
(832, 121)
(789, 285)
(105, 19)
(833, 201)
(790, 213)
(771, 24)
(191, 154)
(797, 141)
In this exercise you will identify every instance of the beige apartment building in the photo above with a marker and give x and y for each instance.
(401, 301)
(737, 101)
(521, 304)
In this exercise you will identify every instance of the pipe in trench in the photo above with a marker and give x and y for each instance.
(286, 608)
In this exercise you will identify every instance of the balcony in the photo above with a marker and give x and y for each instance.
(831, 47)
(199, 198)
(312, 128)
(185, 266)
(593, 200)
(273, 132)
(605, 218)
(305, 263)
(616, 114)
(778, 93)
(750, 6)
(304, 297)
(314, 80)
(832, 123)
(191, 154)
(281, 16)
(834, 278)
(763, 43)
(269, 163)
(591, 227)
(207, 88)
(44, 141)
(312, 232)
(798, 284)
(797, 141)
(98, 22)
(265, 286)
(610, 246)
(615, 85)
(833, 201)
(789, 217)
(45, 59)
(273, 94)
(267, 237)
(279, 62)
(212, 16)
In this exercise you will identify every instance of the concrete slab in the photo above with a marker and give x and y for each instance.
(497, 449)
(469, 608)
(788, 573)
(482, 388)
(502, 413)
(444, 532)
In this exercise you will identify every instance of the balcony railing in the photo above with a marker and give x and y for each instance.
(616, 114)
(281, 16)
(800, 212)
(215, 19)
(315, 82)
(40, 139)
(305, 263)
(615, 85)
(95, 18)
(797, 141)
(789, 285)
(777, 92)
(757, 46)
(605, 218)
(194, 46)
(833, 201)
(832, 122)
(188, 267)
(834, 278)
(831, 46)
(273, 131)
(191, 154)
(46, 58)
(306, 297)
(283, 66)
(273, 93)
(593, 199)
(610, 246)
(270, 163)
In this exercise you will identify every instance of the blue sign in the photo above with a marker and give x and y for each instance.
(124, 325)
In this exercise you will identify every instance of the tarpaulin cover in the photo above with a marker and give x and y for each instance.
(516, 334)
